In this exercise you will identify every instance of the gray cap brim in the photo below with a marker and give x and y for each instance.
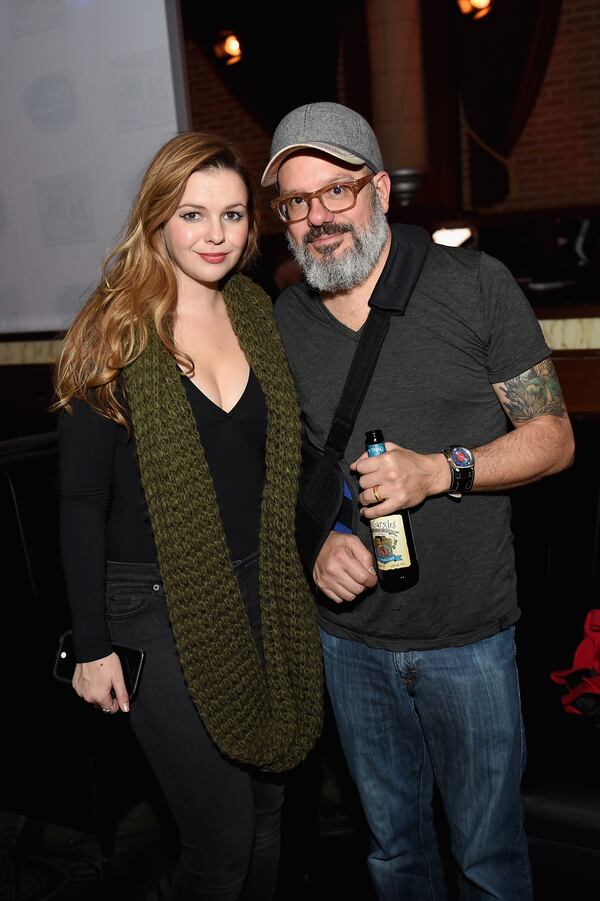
(269, 176)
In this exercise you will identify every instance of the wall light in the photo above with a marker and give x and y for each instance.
(475, 8)
(228, 48)
(452, 237)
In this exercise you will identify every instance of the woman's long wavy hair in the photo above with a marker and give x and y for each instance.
(138, 281)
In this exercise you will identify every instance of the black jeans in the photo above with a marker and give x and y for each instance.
(228, 816)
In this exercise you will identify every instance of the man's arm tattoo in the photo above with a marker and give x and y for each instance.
(533, 393)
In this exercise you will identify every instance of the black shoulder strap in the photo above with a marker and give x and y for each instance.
(357, 381)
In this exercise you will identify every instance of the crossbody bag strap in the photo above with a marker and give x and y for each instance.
(357, 381)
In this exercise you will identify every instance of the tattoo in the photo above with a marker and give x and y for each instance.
(534, 393)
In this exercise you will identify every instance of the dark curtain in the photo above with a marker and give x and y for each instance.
(502, 61)
(440, 197)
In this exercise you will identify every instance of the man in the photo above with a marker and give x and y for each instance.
(423, 682)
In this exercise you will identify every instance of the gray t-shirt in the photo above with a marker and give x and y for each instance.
(466, 326)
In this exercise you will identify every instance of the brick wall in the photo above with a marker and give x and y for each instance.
(556, 161)
(215, 109)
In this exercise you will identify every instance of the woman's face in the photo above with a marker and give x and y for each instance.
(208, 232)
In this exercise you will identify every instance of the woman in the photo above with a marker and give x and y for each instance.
(179, 456)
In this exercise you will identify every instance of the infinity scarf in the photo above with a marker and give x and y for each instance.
(267, 715)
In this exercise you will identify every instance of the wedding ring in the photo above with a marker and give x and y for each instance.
(106, 709)
(376, 493)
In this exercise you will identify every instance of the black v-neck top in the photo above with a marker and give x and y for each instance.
(103, 512)
(234, 446)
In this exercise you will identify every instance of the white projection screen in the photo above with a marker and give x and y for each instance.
(89, 90)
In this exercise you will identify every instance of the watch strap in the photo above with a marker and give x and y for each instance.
(462, 478)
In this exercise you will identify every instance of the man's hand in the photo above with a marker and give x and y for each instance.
(344, 568)
(403, 478)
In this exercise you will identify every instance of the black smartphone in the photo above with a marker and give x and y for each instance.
(132, 662)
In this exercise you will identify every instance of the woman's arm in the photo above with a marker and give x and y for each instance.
(86, 443)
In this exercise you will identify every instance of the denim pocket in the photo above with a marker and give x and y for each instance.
(126, 600)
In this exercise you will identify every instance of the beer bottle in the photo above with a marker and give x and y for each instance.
(392, 535)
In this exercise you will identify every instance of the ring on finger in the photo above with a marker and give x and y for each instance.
(378, 498)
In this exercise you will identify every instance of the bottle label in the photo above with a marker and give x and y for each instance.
(374, 450)
(389, 542)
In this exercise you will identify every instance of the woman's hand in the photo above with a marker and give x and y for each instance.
(100, 682)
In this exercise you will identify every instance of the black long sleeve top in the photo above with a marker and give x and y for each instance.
(103, 514)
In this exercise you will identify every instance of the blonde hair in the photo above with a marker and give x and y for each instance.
(137, 277)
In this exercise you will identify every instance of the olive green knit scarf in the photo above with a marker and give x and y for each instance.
(268, 716)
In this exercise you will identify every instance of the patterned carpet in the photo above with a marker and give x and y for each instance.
(44, 861)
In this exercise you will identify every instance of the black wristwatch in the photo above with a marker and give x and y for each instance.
(462, 469)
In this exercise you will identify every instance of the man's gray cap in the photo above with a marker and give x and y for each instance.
(336, 130)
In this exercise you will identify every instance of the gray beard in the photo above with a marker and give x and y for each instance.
(331, 275)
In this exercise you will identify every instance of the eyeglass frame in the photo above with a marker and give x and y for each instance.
(355, 187)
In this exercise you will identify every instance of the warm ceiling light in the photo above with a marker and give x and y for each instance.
(476, 8)
(228, 48)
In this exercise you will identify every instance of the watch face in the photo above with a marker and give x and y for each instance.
(462, 457)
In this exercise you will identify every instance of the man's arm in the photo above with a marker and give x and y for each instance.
(540, 444)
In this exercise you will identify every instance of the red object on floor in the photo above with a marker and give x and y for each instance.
(581, 682)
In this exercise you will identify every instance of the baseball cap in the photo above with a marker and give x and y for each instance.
(330, 127)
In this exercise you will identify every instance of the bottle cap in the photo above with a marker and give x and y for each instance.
(374, 436)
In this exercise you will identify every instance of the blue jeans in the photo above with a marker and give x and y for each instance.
(407, 718)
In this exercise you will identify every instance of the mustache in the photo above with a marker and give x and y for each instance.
(328, 228)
